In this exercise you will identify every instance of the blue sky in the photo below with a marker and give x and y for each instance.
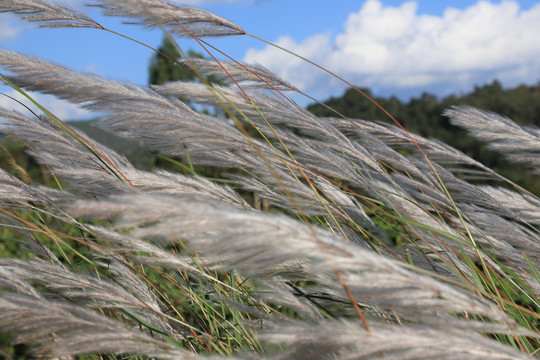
(394, 47)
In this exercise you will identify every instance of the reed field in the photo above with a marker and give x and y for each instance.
(313, 237)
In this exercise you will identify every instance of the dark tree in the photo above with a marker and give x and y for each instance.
(163, 69)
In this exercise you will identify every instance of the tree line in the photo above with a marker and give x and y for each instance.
(423, 115)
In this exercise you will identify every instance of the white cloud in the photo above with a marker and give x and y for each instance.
(397, 48)
(7, 29)
(60, 108)
(288, 67)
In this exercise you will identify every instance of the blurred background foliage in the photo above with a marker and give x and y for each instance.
(421, 115)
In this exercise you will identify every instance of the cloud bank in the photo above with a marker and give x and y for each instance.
(64, 110)
(397, 49)
(8, 31)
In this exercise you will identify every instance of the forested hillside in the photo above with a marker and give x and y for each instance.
(423, 115)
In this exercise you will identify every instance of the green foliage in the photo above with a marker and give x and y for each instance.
(164, 65)
(423, 116)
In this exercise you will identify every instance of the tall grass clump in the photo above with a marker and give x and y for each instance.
(321, 238)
